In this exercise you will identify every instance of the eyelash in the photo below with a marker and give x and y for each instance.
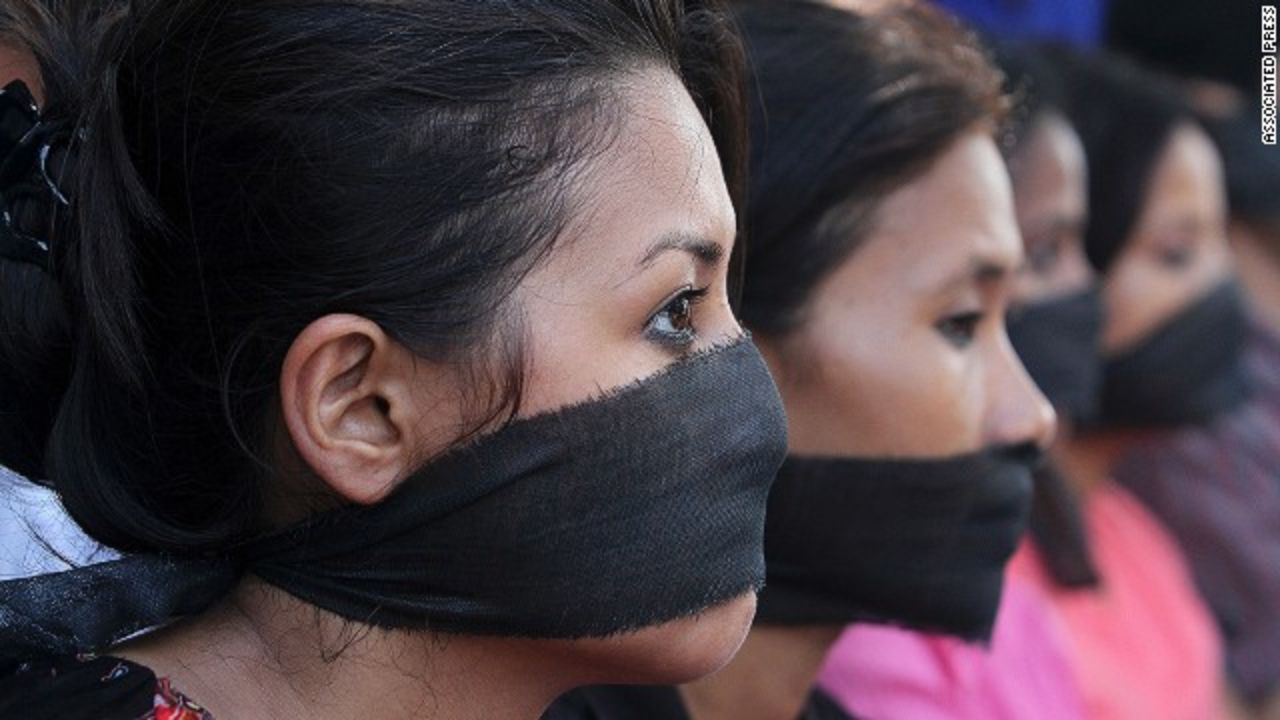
(673, 336)
(1043, 256)
(1176, 258)
(959, 329)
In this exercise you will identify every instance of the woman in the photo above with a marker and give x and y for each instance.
(1025, 672)
(393, 341)
(883, 252)
(1143, 642)
(1216, 485)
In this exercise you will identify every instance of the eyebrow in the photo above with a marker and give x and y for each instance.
(1185, 223)
(703, 250)
(1059, 222)
(982, 271)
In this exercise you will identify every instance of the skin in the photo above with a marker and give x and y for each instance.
(1258, 265)
(606, 307)
(18, 64)
(903, 353)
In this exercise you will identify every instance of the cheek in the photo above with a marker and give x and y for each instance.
(574, 345)
(1030, 287)
(573, 349)
(1074, 271)
(887, 394)
(1141, 295)
(671, 653)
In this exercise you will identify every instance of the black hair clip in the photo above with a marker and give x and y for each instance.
(26, 143)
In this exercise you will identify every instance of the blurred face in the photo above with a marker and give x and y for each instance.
(1178, 248)
(903, 352)
(1050, 200)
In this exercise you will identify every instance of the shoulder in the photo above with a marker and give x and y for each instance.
(822, 706)
(1114, 511)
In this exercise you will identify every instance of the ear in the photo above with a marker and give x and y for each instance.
(346, 401)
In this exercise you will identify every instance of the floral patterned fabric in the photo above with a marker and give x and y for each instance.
(169, 704)
(102, 687)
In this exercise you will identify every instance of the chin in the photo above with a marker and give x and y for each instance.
(672, 653)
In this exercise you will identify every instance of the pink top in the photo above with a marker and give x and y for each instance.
(1144, 644)
(880, 672)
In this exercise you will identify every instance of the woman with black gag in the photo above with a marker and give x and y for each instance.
(1054, 323)
(391, 341)
(883, 248)
(1168, 351)
(1056, 320)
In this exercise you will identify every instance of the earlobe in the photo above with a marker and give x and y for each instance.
(343, 408)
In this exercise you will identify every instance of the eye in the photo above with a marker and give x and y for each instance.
(672, 325)
(959, 329)
(1176, 253)
(1175, 258)
(1045, 253)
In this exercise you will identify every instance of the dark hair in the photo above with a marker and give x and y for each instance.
(1125, 116)
(245, 167)
(845, 109)
(1253, 177)
(1189, 42)
(1032, 87)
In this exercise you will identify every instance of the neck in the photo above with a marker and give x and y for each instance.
(1087, 460)
(265, 654)
(769, 679)
(1259, 272)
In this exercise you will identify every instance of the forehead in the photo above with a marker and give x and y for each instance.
(956, 215)
(1187, 177)
(659, 174)
(1051, 160)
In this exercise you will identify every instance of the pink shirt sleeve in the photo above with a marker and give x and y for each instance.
(1143, 644)
(885, 672)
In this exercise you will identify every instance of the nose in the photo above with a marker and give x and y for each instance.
(1017, 412)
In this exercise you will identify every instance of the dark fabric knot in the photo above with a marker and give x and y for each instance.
(30, 147)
